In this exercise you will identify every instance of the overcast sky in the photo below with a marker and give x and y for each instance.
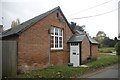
(106, 11)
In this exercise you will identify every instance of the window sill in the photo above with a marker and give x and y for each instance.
(56, 49)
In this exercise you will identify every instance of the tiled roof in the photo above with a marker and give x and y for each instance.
(79, 36)
(93, 41)
(25, 25)
(76, 38)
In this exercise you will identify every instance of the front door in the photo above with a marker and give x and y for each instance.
(74, 54)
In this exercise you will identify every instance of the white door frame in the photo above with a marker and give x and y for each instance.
(74, 54)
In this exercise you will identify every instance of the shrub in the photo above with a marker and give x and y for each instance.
(117, 47)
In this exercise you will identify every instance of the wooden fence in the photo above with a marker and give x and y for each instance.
(9, 58)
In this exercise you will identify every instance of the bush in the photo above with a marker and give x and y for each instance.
(117, 47)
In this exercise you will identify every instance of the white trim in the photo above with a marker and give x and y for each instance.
(62, 38)
(58, 37)
(54, 38)
(74, 58)
(58, 48)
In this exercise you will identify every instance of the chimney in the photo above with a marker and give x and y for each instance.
(1, 28)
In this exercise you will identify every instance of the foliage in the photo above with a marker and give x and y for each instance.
(101, 34)
(103, 60)
(100, 37)
(15, 23)
(105, 41)
(117, 47)
(72, 24)
(119, 35)
(75, 26)
(106, 50)
(55, 72)
(70, 72)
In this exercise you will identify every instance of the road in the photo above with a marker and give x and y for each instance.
(108, 72)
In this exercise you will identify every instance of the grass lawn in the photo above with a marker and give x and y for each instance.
(71, 72)
(107, 50)
(103, 61)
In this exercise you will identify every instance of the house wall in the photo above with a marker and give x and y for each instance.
(94, 51)
(33, 45)
(85, 49)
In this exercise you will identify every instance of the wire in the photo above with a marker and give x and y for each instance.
(91, 7)
(95, 15)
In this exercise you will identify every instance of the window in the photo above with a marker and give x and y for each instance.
(57, 15)
(74, 44)
(56, 38)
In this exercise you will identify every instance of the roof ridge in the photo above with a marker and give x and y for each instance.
(43, 13)
(23, 26)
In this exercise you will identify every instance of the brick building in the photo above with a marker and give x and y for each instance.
(83, 46)
(46, 40)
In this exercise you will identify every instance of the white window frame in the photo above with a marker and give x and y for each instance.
(58, 48)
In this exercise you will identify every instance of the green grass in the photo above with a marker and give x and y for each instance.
(106, 50)
(55, 72)
(70, 72)
(103, 61)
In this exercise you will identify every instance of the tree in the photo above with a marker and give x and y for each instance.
(74, 26)
(15, 23)
(100, 37)
(18, 21)
(107, 42)
(115, 39)
(81, 28)
(117, 47)
(119, 35)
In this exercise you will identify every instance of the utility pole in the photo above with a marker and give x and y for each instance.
(1, 41)
(119, 20)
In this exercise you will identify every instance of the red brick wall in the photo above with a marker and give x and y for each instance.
(33, 45)
(85, 46)
(94, 49)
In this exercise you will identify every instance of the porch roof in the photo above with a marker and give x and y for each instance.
(76, 38)
(93, 41)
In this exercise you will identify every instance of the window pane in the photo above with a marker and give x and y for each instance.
(60, 32)
(52, 31)
(56, 31)
(52, 42)
(74, 44)
(60, 42)
(56, 42)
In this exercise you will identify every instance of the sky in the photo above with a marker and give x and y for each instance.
(104, 13)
